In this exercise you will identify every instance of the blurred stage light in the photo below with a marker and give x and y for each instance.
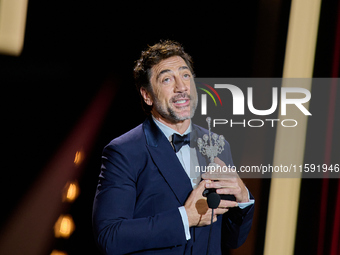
(299, 63)
(71, 192)
(64, 226)
(78, 157)
(12, 26)
(31, 222)
(56, 252)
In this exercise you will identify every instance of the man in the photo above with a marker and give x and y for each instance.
(145, 201)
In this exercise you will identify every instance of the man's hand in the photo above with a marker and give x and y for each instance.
(199, 214)
(227, 183)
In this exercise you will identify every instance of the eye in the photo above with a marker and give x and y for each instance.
(186, 76)
(166, 80)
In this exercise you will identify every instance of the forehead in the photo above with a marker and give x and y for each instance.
(172, 63)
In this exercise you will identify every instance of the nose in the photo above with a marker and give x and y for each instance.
(180, 85)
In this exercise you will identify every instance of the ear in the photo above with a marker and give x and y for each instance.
(146, 96)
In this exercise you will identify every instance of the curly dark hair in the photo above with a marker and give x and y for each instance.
(152, 56)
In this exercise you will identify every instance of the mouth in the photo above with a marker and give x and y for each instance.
(181, 102)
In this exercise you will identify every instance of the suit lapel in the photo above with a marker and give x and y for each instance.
(166, 160)
(195, 134)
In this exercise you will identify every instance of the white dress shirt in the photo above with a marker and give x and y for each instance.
(188, 159)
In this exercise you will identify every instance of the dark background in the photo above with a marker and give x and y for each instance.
(72, 48)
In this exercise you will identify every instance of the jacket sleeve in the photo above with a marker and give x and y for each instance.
(115, 228)
(236, 223)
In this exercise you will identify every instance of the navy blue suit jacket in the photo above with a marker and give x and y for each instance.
(141, 185)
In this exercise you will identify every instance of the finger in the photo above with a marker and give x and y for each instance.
(227, 204)
(215, 218)
(219, 211)
(219, 161)
(220, 174)
(222, 184)
(229, 191)
(206, 218)
(201, 185)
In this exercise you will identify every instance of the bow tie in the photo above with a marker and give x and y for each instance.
(178, 141)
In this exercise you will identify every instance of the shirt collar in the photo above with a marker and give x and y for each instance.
(167, 131)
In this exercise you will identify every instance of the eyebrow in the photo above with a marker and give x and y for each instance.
(168, 70)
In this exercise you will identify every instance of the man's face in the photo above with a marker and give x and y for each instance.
(173, 95)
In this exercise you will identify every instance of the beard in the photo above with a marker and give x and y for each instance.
(169, 113)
